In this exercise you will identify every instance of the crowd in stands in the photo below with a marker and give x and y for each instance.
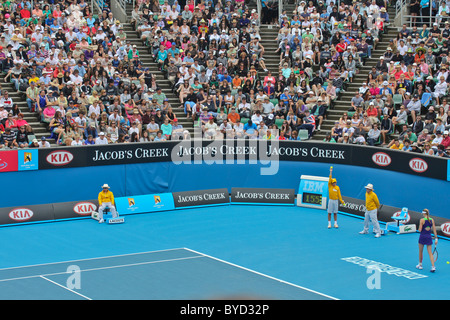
(87, 82)
(213, 55)
(403, 103)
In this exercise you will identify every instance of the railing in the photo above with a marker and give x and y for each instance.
(97, 5)
(402, 10)
(259, 10)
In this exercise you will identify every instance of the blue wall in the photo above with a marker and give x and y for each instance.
(60, 185)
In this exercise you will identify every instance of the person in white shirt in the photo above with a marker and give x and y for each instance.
(440, 89)
(257, 118)
(101, 139)
(43, 143)
(77, 142)
(210, 129)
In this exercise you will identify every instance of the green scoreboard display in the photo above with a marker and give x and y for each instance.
(312, 192)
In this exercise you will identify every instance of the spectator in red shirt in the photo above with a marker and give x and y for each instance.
(446, 140)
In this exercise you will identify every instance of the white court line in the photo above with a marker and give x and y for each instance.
(262, 274)
(103, 268)
(88, 259)
(59, 285)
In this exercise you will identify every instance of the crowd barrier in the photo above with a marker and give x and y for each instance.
(199, 198)
(73, 175)
(225, 150)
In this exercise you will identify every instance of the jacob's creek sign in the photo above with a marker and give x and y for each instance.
(227, 151)
(263, 195)
(201, 198)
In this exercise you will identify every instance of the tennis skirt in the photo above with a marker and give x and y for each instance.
(426, 239)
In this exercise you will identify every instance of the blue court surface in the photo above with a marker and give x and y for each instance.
(223, 252)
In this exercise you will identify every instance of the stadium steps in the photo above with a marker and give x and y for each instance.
(343, 103)
(163, 83)
(19, 98)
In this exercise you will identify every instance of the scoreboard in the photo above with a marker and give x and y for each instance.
(313, 192)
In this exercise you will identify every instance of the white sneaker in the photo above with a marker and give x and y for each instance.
(433, 269)
(101, 221)
(364, 232)
(336, 225)
(419, 266)
(377, 235)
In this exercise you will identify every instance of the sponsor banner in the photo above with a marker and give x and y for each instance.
(144, 203)
(28, 159)
(448, 170)
(26, 214)
(385, 213)
(400, 161)
(8, 161)
(75, 209)
(263, 195)
(200, 198)
(263, 151)
(50, 158)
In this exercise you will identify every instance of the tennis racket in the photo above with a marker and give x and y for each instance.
(435, 253)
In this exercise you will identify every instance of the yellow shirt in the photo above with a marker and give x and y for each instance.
(105, 197)
(334, 192)
(372, 202)
(400, 146)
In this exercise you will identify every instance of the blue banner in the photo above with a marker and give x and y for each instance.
(28, 159)
(145, 203)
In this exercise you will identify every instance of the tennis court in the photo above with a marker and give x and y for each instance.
(262, 252)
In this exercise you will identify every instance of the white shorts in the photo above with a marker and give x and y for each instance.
(333, 206)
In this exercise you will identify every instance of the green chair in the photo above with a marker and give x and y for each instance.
(303, 134)
(274, 101)
(279, 123)
(397, 99)
(244, 120)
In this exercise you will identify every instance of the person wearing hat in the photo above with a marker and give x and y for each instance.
(43, 143)
(426, 227)
(372, 206)
(106, 200)
(334, 194)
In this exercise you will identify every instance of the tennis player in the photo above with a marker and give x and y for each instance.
(426, 225)
(334, 195)
(106, 200)
(372, 206)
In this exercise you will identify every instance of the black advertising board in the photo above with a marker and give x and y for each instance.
(74, 209)
(263, 196)
(220, 151)
(401, 161)
(200, 198)
(26, 214)
(385, 213)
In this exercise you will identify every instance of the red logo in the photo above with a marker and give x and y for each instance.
(445, 228)
(418, 165)
(84, 208)
(9, 161)
(59, 158)
(21, 214)
(381, 159)
(398, 213)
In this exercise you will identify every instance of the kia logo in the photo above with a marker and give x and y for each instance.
(445, 228)
(418, 165)
(59, 158)
(21, 214)
(381, 159)
(84, 208)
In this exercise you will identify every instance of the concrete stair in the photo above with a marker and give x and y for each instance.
(343, 102)
(19, 98)
(163, 83)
